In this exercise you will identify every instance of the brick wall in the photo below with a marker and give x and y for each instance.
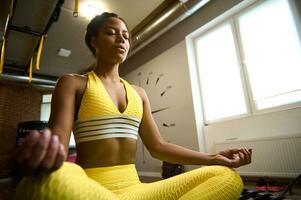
(17, 104)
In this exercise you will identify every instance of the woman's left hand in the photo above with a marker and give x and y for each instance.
(234, 157)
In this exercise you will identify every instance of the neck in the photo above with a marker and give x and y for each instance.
(107, 71)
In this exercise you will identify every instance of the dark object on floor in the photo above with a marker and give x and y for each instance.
(258, 195)
(267, 189)
(169, 169)
(264, 184)
(26, 127)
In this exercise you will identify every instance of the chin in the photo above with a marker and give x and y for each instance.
(119, 59)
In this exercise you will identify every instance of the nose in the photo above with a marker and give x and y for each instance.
(120, 38)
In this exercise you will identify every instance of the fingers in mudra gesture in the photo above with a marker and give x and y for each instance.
(234, 157)
(40, 152)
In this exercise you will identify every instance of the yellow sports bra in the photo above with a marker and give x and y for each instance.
(99, 118)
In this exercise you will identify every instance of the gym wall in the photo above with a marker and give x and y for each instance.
(17, 104)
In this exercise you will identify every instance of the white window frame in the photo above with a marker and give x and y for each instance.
(71, 146)
(232, 17)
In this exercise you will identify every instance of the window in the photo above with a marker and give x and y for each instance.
(272, 53)
(249, 61)
(220, 78)
(45, 113)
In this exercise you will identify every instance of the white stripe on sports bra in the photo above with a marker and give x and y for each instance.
(103, 127)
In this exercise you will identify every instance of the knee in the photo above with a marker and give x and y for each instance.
(236, 179)
(236, 183)
(232, 179)
(46, 185)
(228, 176)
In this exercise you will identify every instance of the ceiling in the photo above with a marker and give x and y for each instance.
(68, 33)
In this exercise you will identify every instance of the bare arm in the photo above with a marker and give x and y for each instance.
(63, 108)
(173, 153)
(47, 151)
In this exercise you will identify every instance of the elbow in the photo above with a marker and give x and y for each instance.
(154, 155)
(157, 151)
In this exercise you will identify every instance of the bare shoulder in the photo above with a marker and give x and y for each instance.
(72, 81)
(140, 91)
(72, 78)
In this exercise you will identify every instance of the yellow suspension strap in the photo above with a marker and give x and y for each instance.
(30, 69)
(2, 54)
(3, 46)
(3, 37)
(38, 60)
(75, 12)
(40, 52)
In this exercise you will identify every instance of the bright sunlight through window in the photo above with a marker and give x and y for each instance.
(272, 52)
(266, 40)
(221, 85)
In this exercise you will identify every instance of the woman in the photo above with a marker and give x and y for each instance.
(109, 114)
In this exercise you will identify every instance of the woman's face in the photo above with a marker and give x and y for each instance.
(112, 42)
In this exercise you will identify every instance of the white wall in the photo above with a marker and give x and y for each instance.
(280, 123)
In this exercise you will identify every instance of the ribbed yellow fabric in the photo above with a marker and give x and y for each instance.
(97, 102)
(118, 179)
(99, 118)
(71, 182)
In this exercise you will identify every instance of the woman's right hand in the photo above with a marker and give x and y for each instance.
(40, 152)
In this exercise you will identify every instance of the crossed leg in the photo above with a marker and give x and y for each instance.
(212, 183)
(70, 182)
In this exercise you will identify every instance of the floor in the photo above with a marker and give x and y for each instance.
(294, 194)
(7, 189)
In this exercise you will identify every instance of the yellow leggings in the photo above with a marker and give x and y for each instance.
(71, 182)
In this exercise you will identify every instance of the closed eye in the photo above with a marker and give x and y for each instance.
(114, 31)
(111, 32)
(126, 36)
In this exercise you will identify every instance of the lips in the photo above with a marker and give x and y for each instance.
(121, 47)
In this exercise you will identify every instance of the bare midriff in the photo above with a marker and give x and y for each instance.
(106, 152)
